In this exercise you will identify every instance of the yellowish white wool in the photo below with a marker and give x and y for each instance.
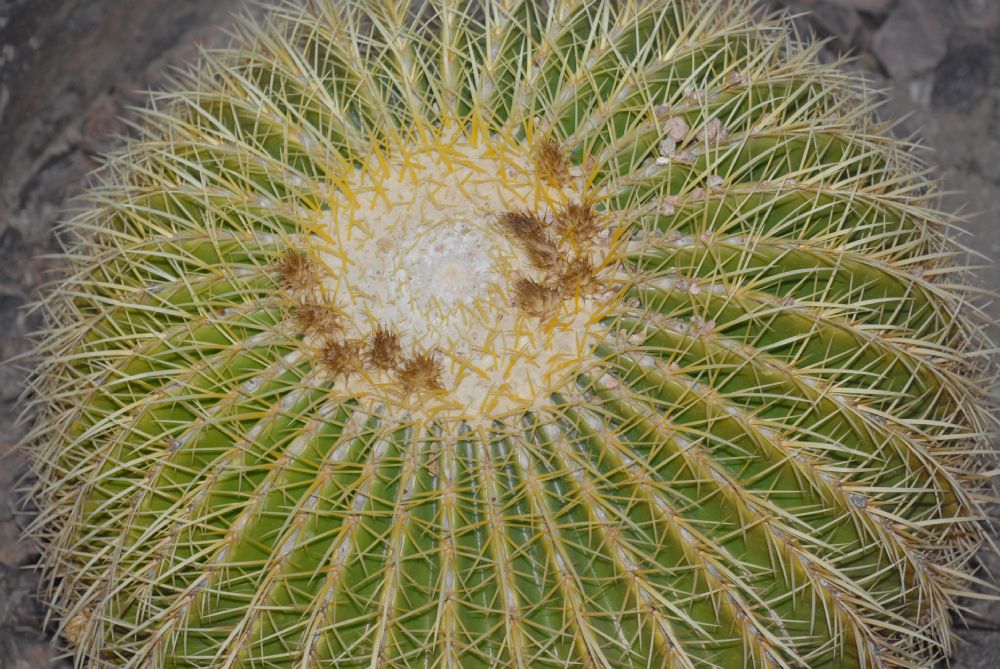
(411, 242)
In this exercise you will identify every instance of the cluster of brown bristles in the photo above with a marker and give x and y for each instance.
(563, 259)
(341, 356)
(551, 164)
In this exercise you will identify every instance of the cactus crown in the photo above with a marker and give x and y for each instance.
(507, 334)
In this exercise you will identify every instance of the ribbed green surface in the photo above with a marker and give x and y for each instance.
(765, 463)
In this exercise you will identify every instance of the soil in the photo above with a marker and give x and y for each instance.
(70, 69)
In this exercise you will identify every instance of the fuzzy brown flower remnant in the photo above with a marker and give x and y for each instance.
(384, 351)
(578, 221)
(342, 358)
(536, 299)
(578, 277)
(528, 229)
(297, 272)
(75, 629)
(318, 319)
(551, 164)
(421, 372)
(524, 225)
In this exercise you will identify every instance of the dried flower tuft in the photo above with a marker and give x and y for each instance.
(421, 372)
(384, 351)
(536, 299)
(529, 230)
(578, 277)
(342, 358)
(524, 225)
(298, 272)
(74, 630)
(578, 221)
(551, 164)
(319, 319)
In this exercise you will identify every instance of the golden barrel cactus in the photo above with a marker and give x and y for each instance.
(504, 333)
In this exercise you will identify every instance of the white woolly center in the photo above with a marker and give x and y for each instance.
(427, 267)
(413, 245)
(451, 268)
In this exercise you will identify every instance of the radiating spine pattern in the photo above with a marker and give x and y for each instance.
(581, 333)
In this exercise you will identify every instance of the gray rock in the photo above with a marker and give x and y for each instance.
(68, 69)
(912, 40)
(840, 23)
(872, 6)
(825, 19)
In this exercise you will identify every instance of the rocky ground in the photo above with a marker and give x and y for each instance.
(70, 68)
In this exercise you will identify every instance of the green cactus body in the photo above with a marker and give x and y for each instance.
(510, 334)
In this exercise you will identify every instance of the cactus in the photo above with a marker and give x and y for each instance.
(505, 334)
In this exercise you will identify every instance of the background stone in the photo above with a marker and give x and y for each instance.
(68, 71)
(911, 41)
